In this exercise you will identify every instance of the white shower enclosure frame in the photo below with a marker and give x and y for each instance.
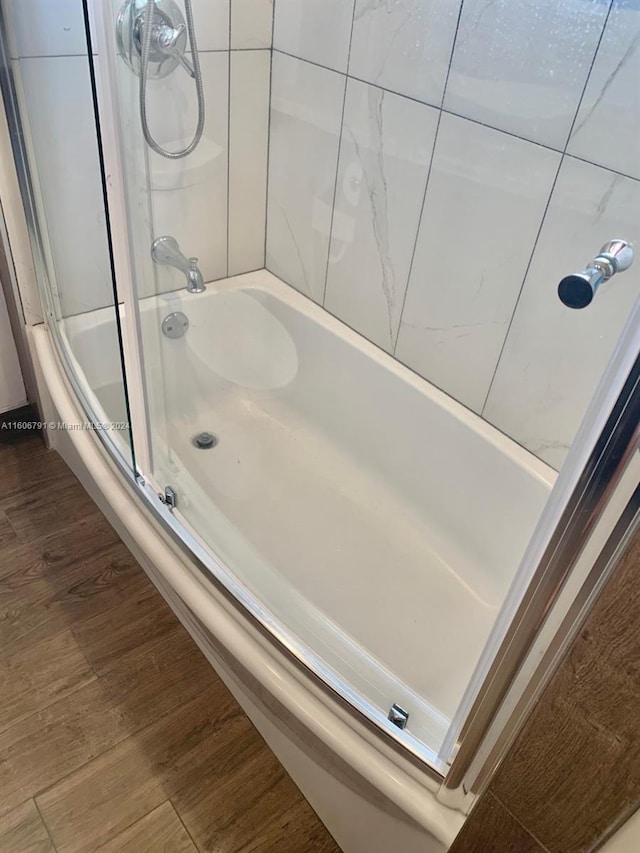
(525, 640)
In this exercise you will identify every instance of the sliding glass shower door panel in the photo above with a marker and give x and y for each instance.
(360, 377)
(47, 86)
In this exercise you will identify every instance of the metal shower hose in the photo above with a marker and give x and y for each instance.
(146, 49)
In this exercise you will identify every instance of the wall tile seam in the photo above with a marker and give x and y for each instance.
(561, 151)
(441, 109)
(416, 238)
(335, 184)
(269, 111)
(427, 180)
(229, 144)
(200, 51)
(520, 292)
(49, 56)
(588, 77)
(457, 115)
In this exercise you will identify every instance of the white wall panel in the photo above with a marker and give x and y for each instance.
(485, 203)
(306, 111)
(317, 30)
(607, 130)
(249, 136)
(384, 161)
(404, 47)
(554, 356)
(251, 24)
(521, 65)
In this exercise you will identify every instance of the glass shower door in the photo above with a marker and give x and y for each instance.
(363, 414)
(47, 87)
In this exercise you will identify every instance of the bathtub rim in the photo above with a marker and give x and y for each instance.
(405, 779)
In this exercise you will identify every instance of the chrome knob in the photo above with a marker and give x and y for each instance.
(167, 37)
(168, 45)
(577, 290)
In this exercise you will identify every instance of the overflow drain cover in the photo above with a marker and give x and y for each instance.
(175, 325)
(204, 440)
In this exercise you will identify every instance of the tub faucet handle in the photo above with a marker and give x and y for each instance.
(196, 282)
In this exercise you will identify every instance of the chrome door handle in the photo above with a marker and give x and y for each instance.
(577, 290)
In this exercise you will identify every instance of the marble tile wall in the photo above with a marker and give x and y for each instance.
(436, 167)
(213, 203)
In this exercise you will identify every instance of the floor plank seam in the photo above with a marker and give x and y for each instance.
(120, 831)
(115, 745)
(89, 664)
(44, 823)
(520, 823)
(193, 841)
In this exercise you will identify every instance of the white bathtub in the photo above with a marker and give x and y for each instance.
(377, 522)
(371, 796)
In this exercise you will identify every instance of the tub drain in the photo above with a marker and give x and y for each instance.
(204, 440)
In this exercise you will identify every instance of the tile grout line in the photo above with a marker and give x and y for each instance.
(451, 55)
(270, 110)
(335, 185)
(457, 115)
(563, 156)
(521, 290)
(417, 237)
(85, 55)
(426, 186)
(588, 77)
(229, 143)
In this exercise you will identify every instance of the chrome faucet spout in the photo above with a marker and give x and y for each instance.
(166, 251)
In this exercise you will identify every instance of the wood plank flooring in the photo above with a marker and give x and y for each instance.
(115, 733)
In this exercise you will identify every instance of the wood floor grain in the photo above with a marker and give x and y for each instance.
(37, 512)
(22, 831)
(108, 635)
(219, 822)
(123, 784)
(115, 733)
(50, 744)
(161, 831)
(77, 572)
(494, 830)
(7, 533)
(41, 674)
(40, 470)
